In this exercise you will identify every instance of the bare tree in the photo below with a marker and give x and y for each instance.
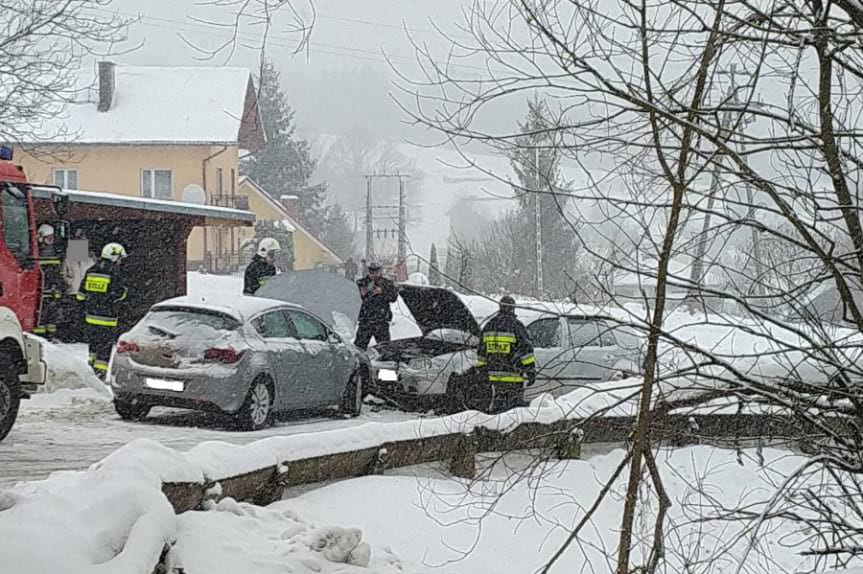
(42, 46)
(649, 114)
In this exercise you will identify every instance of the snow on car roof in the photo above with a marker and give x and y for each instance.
(240, 307)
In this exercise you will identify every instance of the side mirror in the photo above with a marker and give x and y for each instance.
(333, 337)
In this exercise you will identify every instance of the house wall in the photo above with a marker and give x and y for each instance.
(117, 169)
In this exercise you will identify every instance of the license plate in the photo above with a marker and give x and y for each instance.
(165, 385)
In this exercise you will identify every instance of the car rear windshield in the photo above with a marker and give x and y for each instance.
(172, 321)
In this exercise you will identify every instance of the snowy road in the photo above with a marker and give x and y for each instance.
(70, 430)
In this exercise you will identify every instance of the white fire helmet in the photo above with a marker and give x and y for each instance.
(45, 230)
(113, 252)
(268, 245)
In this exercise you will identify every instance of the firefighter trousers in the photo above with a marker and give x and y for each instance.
(100, 341)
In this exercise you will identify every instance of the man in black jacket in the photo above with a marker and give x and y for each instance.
(262, 266)
(102, 291)
(505, 359)
(375, 314)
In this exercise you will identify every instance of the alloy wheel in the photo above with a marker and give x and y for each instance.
(259, 407)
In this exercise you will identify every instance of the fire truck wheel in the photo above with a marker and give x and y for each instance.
(10, 397)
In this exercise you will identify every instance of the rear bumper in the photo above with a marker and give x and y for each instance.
(36, 367)
(218, 388)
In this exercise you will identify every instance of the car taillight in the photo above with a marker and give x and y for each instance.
(127, 347)
(223, 355)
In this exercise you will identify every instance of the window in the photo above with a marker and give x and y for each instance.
(583, 332)
(156, 183)
(16, 230)
(66, 178)
(173, 321)
(308, 327)
(274, 325)
(544, 333)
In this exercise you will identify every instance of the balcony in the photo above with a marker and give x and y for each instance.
(232, 201)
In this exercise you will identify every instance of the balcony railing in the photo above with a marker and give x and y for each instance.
(232, 201)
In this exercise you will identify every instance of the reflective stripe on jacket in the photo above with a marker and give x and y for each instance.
(505, 349)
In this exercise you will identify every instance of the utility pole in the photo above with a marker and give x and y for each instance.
(538, 225)
(369, 220)
(401, 231)
(403, 221)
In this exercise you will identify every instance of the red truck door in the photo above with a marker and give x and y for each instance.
(20, 280)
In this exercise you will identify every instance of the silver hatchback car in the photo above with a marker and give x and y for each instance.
(250, 357)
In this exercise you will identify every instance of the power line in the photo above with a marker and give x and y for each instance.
(280, 40)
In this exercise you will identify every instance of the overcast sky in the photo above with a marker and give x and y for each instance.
(343, 77)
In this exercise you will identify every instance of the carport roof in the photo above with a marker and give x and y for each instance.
(126, 207)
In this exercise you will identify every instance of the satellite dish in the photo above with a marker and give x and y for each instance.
(194, 193)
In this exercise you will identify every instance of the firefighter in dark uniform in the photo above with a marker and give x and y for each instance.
(262, 266)
(102, 291)
(53, 283)
(505, 360)
(377, 294)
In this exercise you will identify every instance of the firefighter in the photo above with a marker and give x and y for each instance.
(505, 359)
(53, 282)
(102, 291)
(262, 266)
(377, 294)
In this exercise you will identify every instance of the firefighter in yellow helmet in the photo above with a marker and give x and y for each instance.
(505, 360)
(102, 292)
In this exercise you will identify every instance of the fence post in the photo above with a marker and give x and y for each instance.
(463, 462)
(569, 447)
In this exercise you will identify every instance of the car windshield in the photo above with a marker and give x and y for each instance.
(173, 321)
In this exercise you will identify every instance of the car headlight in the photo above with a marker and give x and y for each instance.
(388, 375)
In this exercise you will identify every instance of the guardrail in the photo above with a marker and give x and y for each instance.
(563, 439)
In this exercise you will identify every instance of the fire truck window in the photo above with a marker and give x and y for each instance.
(16, 231)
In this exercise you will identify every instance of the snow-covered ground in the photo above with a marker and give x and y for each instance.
(73, 424)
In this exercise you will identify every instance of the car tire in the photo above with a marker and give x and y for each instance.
(352, 398)
(10, 397)
(130, 410)
(257, 410)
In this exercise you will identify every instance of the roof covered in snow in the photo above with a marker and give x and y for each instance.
(163, 105)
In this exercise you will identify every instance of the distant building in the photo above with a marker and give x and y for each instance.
(157, 132)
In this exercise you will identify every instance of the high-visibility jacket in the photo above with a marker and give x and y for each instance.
(505, 351)
(258, 272)
(102, 290)
(53, 282)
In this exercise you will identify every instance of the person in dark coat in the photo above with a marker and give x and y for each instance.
(505, 360)
(53, 283)
(377, 294)
(262, 266)
(102, 292)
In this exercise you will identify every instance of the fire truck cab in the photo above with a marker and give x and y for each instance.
(22, 368)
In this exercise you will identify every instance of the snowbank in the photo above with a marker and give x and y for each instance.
(68, 368)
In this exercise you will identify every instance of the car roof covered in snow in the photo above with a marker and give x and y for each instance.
(240, 307)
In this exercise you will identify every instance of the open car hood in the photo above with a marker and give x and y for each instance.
(438, 308)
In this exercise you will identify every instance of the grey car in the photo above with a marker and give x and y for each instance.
(250, 357)
(571, 350)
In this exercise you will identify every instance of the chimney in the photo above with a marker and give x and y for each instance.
(291, 203)
(107, 84)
